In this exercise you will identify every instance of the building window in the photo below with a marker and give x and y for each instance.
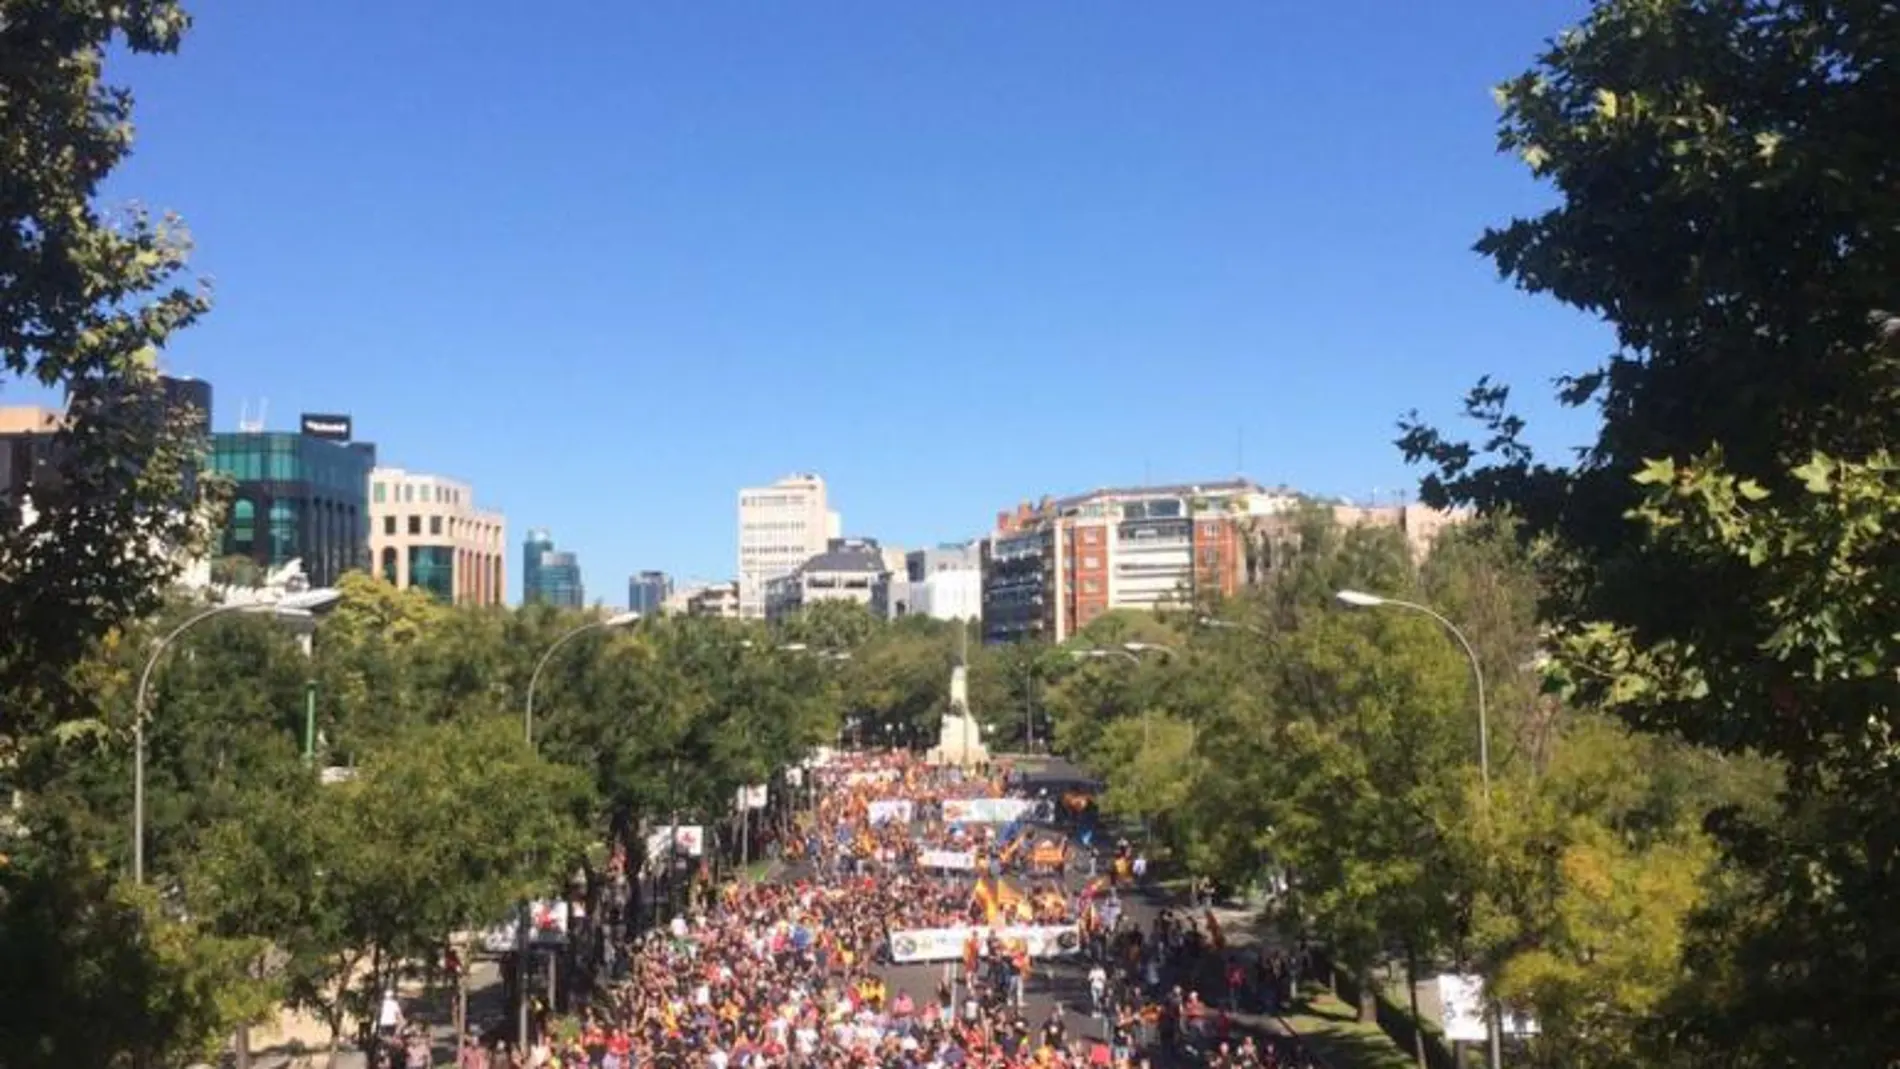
(1091, 561)
(435, 525)
(389, 525)
(408, 494)
(389, 565)
(243, 527)
(1090, 586)
(379, 493)
(432, 568)
(283, 532)
(1092, 535)
(415, 525)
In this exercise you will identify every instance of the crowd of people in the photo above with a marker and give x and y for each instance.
(793, 973)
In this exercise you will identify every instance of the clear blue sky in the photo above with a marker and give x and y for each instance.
(611, 261)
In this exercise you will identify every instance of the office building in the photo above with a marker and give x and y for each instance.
(537, 543)
(29, 446)
(550, 576)
(850, 569)
(426, 532)
(1052, 568)
(31, 458)
(27, 457)
(781, 526)
(944, 582)
(647, 593)
(297, 496)
(713, 599)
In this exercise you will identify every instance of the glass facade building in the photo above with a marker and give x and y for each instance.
(537, 543)
(647, 592)
(548, 576)
(558, 581)
(296, 496)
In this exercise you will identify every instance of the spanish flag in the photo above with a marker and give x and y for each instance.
(996, 896)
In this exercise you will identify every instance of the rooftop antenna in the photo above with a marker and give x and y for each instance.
(247, 425)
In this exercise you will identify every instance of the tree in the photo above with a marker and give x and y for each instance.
(441, 831)
(97, 975)
(87, 298)
(1591, 879)
(1722, 554)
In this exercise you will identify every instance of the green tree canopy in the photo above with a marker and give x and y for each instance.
(1721, 554)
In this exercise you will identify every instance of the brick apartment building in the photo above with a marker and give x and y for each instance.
(1051, 568)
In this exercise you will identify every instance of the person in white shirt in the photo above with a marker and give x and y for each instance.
(1098, 988)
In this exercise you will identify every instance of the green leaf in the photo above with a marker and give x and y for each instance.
(1817, 475)
(1657, 472)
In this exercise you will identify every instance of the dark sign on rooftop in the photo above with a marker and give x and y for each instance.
(329, 426)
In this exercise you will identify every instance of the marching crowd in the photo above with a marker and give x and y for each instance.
(789, 974)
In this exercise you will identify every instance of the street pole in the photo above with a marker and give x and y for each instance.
(310, 722)
(138, 727)
(526, 922)
(1029, 710)
(1358, 599)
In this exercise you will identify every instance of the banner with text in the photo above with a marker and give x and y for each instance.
(891, 811)
(957, 860)
(946, 944)
(993, 810)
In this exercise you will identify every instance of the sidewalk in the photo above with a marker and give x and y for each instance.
(300, 1041)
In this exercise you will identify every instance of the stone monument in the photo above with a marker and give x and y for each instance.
(960, 739)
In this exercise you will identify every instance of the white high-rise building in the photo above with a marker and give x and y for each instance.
(781, 526)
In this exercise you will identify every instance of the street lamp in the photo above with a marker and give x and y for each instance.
(1219, 624)
(291, 606)
(1361, 600)
(522, 926)
(625, 619)
(1132, 651)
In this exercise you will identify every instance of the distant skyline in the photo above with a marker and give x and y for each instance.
(609, 264)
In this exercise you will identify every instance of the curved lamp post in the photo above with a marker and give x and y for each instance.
(1361, 600)
(291, 606)
(526, 920)
(1132, 651)
(625, 619)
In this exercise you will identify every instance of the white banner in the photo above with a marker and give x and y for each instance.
(869, 775)
(946, 944)
(960, 860)
(750, 798)
(550, 921)
(992, 810)
(1462, 999)
(891, 810)
(689, 840)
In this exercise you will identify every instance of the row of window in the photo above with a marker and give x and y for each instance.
(410, 493)
(413, 525)
(328, 536)
(291, 458)
(772, 500)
